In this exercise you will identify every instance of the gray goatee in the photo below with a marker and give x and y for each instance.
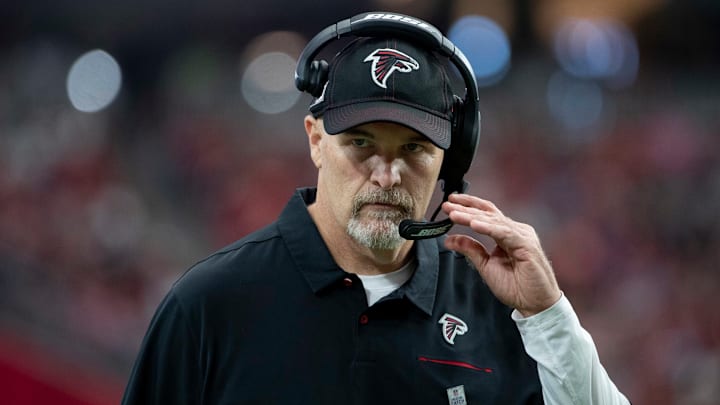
(379, 229)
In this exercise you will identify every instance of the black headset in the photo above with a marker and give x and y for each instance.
(311, 75)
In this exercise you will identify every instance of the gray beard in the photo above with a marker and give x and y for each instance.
(379, 230)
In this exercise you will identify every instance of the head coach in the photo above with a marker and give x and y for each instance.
(350, 296)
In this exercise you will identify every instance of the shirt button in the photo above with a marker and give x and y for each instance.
(347, 281)
(364, 319)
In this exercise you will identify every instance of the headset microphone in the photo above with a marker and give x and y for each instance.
(415, 230)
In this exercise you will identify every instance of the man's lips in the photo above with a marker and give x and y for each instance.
(373, 209)
(382, 206)
(392, 202)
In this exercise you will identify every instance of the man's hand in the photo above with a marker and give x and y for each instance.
(516, 270)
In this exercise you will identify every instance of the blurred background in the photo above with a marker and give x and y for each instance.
(137, 137)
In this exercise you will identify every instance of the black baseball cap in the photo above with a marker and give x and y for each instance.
(381, 79)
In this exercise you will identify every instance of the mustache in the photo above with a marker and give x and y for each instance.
(393, 197)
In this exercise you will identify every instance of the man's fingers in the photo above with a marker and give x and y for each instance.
(508, 234)
(462, 214)
(486, 223)
(474, 202)
(468, 247)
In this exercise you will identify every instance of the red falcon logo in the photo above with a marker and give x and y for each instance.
(386, 61)
(451, 327)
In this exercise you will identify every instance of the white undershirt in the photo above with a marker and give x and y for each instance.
(378, 286)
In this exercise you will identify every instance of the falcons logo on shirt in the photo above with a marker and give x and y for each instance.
(386, 61)
(451, 327)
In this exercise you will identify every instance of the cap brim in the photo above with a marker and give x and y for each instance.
(340, 119)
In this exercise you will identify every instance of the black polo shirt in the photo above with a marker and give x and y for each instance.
(271, 319)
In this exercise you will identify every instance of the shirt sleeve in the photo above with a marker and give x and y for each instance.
(568, 364)
(168, 367)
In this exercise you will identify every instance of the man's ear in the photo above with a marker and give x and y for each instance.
(314, 130)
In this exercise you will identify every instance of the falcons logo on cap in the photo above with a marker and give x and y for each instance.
(386, 61)
(451, 327)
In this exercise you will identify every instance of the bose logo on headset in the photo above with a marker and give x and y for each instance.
(398, 17)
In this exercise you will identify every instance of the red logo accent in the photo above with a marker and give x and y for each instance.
(455, 363)
(386, 61)
(452, 326)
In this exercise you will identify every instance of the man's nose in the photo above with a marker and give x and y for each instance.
(386, 173)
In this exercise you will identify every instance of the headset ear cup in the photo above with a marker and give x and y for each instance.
(457, 116)
(448, 171)
(318, 76)
(460, 154)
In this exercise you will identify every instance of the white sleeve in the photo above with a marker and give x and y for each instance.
(568, 364)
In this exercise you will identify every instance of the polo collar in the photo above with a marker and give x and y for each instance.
(422, 286)
(314, 261)
(306, 246)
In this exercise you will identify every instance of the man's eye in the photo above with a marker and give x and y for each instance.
(361, 142)
(413, 147)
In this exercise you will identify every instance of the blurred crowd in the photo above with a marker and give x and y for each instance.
(100, 213)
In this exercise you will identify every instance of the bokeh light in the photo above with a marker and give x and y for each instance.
(267, 81)
(93, 81)
(598, 49)
(576, 104)
(485, 45)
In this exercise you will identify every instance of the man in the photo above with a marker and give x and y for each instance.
(330, 305)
